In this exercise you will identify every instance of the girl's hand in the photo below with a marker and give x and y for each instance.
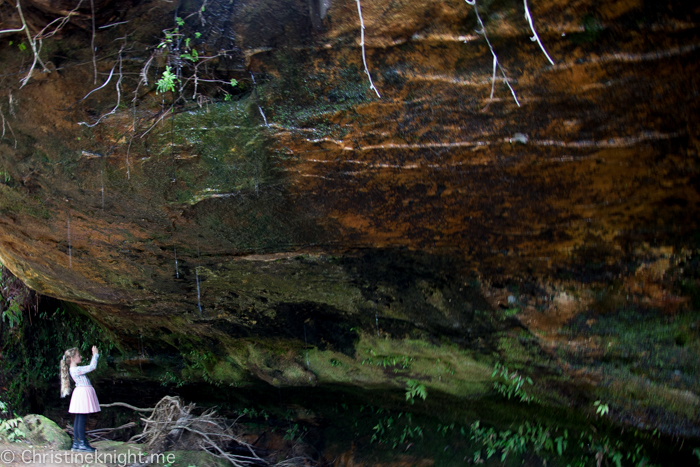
(94, 350)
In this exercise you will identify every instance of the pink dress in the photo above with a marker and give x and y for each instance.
(84, 399)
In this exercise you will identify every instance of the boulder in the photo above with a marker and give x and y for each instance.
(40, 431)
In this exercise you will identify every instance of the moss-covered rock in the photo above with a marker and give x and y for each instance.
(40, 431)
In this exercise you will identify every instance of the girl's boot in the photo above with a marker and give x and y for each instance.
(83, 446)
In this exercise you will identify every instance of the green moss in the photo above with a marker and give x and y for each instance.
(444, 367)
(229, 372)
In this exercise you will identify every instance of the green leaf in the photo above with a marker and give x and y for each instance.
(179, 21)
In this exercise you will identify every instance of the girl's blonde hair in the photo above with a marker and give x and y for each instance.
(63, 366)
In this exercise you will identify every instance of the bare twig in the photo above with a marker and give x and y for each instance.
(362, 44)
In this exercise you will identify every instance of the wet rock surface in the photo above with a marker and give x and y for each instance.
(229, 231)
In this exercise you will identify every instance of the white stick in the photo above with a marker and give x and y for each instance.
(362, 44)
(535, 37)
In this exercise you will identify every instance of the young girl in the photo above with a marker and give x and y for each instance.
(84, 400)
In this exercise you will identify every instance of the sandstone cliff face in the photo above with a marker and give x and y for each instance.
(300, 203)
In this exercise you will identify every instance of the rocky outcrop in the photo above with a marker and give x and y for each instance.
(295, 203)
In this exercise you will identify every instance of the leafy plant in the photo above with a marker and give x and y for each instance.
(542, 441)
(252, 413)
(294, 433)
(9, 427)
(512, 384)
(386, 430)
(413, 389)
(399, 362)
(170, 378)
(13, 313)
(166, 82)
(601, 409)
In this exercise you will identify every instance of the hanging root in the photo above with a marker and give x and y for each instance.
(362, 44)
(35, 42)
(535, 37)
(493, 52)
(6, 123)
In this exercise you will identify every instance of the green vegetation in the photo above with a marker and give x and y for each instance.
(541, 440)
(33, 342)
(390, 431)
(396, 362)
(166, 82)
(511, 384)
(295, 434)
(601, 409)
(9, 426)
(649, 359)
(413, 389)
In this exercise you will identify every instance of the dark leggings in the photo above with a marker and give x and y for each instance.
(79, 426)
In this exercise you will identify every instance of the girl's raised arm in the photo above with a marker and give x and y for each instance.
(81, 370)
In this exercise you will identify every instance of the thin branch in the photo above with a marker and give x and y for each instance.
(493, 52)
(535, 37)
(103, 431)
(123, 404)
(362, 44)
